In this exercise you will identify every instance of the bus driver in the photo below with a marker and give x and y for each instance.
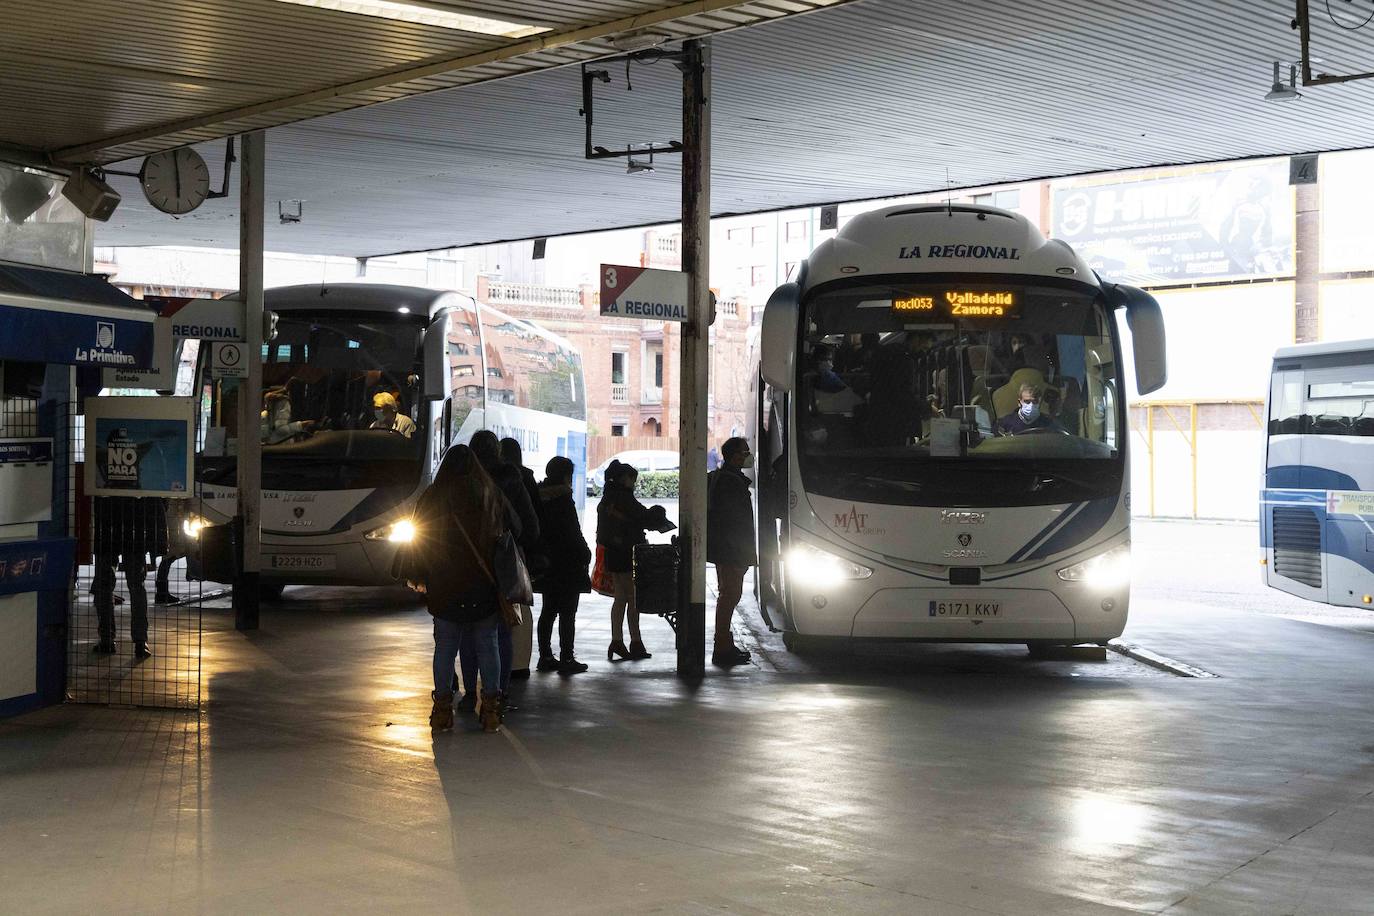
(1027, 417)
(388, 416)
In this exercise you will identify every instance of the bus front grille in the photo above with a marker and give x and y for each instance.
(1298, 545)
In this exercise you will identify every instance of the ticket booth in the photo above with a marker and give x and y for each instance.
(58, 331)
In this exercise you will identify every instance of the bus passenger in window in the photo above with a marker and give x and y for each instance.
(277, 425)
(386, 415)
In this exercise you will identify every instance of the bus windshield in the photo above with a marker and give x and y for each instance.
(341, 409)
(959, 393)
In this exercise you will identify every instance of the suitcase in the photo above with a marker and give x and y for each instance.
(655, 578)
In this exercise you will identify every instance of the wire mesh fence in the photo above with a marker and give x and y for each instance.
(134, 630)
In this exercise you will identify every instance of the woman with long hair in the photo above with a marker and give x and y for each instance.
(621, 521)
(459, 519)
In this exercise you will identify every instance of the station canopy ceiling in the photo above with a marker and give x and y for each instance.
(400, 137)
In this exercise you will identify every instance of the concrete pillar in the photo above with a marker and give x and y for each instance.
(249, 467)
(695, 378)
(1307, 263)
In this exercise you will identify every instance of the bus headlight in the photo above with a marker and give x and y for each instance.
(191, 526)
(1111, 569)
(809, 565)
(401, 531)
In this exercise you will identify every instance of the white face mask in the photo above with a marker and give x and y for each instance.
(748, 461)
(1030, 412)
(380, 415)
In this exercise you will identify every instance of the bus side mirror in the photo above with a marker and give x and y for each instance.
(778, 339)
(436, 359)
(1146, 322)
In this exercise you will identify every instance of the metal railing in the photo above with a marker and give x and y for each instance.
(1166, 410)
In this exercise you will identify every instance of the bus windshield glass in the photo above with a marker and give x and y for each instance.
(959, 393)
(341, 405)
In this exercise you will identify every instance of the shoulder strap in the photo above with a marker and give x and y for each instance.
(486, 568)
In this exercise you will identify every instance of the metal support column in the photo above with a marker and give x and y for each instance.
(249, 467)
(695, 381)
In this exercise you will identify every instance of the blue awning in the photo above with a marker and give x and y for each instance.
(54, 316)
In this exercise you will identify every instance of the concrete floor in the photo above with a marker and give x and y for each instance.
(903, 780)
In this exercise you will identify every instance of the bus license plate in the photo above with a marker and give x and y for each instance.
(302, 561)
(965, 609)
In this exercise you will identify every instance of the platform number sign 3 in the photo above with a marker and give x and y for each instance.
(611, 278)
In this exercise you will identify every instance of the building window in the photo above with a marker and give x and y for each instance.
(658, 370)
(758, 275)
(1007, 200)
(984, 199)
(789, 270)
(495, 372)
(796, 230)
(618, 368)
(617, 429)
(463, 371)
(758, 235)
(734, 235)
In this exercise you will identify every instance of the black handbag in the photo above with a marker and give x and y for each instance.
(512, 575)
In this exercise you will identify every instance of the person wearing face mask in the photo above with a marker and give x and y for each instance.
(827, 379)
(730, 542)
(386, 415)
(1027, 417)
(277, 424)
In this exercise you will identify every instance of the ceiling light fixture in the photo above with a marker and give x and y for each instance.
(1278, 92)
(422, 13)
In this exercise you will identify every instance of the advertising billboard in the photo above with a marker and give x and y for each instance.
(139, 446)
(1202, 225)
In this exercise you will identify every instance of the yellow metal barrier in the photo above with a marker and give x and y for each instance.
(1190, 436)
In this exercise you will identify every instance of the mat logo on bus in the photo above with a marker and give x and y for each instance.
(855, 522)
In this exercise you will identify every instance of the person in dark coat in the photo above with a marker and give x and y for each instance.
(486, 448)
(565, 579)
(460, 517)
(127, 529)
(511, 455)
(730, 542)
(621, 521)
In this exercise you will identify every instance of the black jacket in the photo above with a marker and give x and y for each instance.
(563, 543)
(620, 523)
(130, 526)
(729, 519)
(513, 488)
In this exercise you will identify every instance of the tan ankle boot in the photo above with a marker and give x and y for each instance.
(441, 716)
(491, 711)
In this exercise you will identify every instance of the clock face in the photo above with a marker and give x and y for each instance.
(176, 181)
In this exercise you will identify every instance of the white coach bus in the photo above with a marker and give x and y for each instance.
(338, 491)
(942, 437)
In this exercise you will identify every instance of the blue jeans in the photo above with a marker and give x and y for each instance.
(480, 637)
(469, 663)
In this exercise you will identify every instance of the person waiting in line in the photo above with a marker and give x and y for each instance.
(277, 423)
(524, 524)
(522, 637)
(565, 579)
(1027, 417)
(127, 530)
(461, 517)
(386, 414)
(621, 521)
(730, 543)
(176, 513)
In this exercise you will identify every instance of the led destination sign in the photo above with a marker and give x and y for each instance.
(965, 303)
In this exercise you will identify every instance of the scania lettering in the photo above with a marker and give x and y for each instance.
(339, 490)
(959, 472)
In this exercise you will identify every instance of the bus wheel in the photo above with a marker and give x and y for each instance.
(270, 591)
(791, 641)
